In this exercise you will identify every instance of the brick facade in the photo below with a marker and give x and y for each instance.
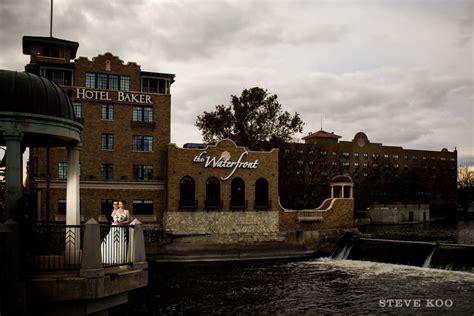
(120, 94)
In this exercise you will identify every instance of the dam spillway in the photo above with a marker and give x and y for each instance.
(459, 257)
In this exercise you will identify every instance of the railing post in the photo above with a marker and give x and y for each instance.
(91, 266)
(137, 246)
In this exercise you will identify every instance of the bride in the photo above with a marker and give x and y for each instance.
(114, 247)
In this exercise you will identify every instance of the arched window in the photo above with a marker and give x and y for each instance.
(237, 194)
(186, 193)
(261, 194)
(213, 193)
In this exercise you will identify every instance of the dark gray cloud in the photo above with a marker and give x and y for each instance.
(401, 71)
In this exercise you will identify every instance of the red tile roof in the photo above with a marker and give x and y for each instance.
(321, 134)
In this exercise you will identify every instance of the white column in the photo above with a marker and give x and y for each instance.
(72, 189)
(73, 216)
(13, 172)
(341, 194)
(332, 191)
(352, 195)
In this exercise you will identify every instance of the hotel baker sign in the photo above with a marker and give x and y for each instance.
(99, 95)
(224, 162)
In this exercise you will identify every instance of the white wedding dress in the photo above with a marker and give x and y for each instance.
(115, 245)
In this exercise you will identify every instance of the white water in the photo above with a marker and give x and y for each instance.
(428, 260)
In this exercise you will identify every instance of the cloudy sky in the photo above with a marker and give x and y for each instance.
(401, 71)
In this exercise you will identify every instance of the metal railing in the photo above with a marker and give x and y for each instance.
(114, 245)
(55, 246)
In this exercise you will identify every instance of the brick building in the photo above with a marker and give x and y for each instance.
(381, 173)
(125, 113)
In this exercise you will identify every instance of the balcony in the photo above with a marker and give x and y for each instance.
(72, 268)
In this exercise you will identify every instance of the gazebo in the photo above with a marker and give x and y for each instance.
(338, 185)
(36, 112)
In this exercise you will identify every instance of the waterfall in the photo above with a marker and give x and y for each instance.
(428, 260)
(343, 254)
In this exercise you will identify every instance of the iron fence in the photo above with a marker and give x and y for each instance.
(114, 245)
(55, 246)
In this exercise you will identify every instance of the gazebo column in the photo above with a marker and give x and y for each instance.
(351, 192)
(332, 191)
(73, 216)
(13, 172)
(342, 192)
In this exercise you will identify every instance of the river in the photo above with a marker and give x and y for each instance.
(313, 286)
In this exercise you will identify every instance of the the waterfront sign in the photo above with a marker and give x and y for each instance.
(224, 162)
(100, 95)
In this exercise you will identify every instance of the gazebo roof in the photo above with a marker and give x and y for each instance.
(38, 108)
(341, 178)
(30, 93)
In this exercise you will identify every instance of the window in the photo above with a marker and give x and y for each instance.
(187, 193)
(237, 193)
(143, 143)
(106, 172)
(106, 208)
(213, 193)
(385, 156)
(106, 81)
(356, 164)
(90, 80)
(77, 106)
(154, 85)
(142, 114)
(345, 154)
(143, 207)
(124, 83)
(366, 156)
(60, 76)
(324, 153)
(61, 207)
(107, 112)
(395, 157)
(334, 154)
(356, 155)
(142, 172)
(101, 82)
(62, 170)
(113, 82)
(261, 194)
(108, 141)
(50, 52)
(366, 165)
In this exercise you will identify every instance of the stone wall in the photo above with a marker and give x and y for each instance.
(221, 222)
